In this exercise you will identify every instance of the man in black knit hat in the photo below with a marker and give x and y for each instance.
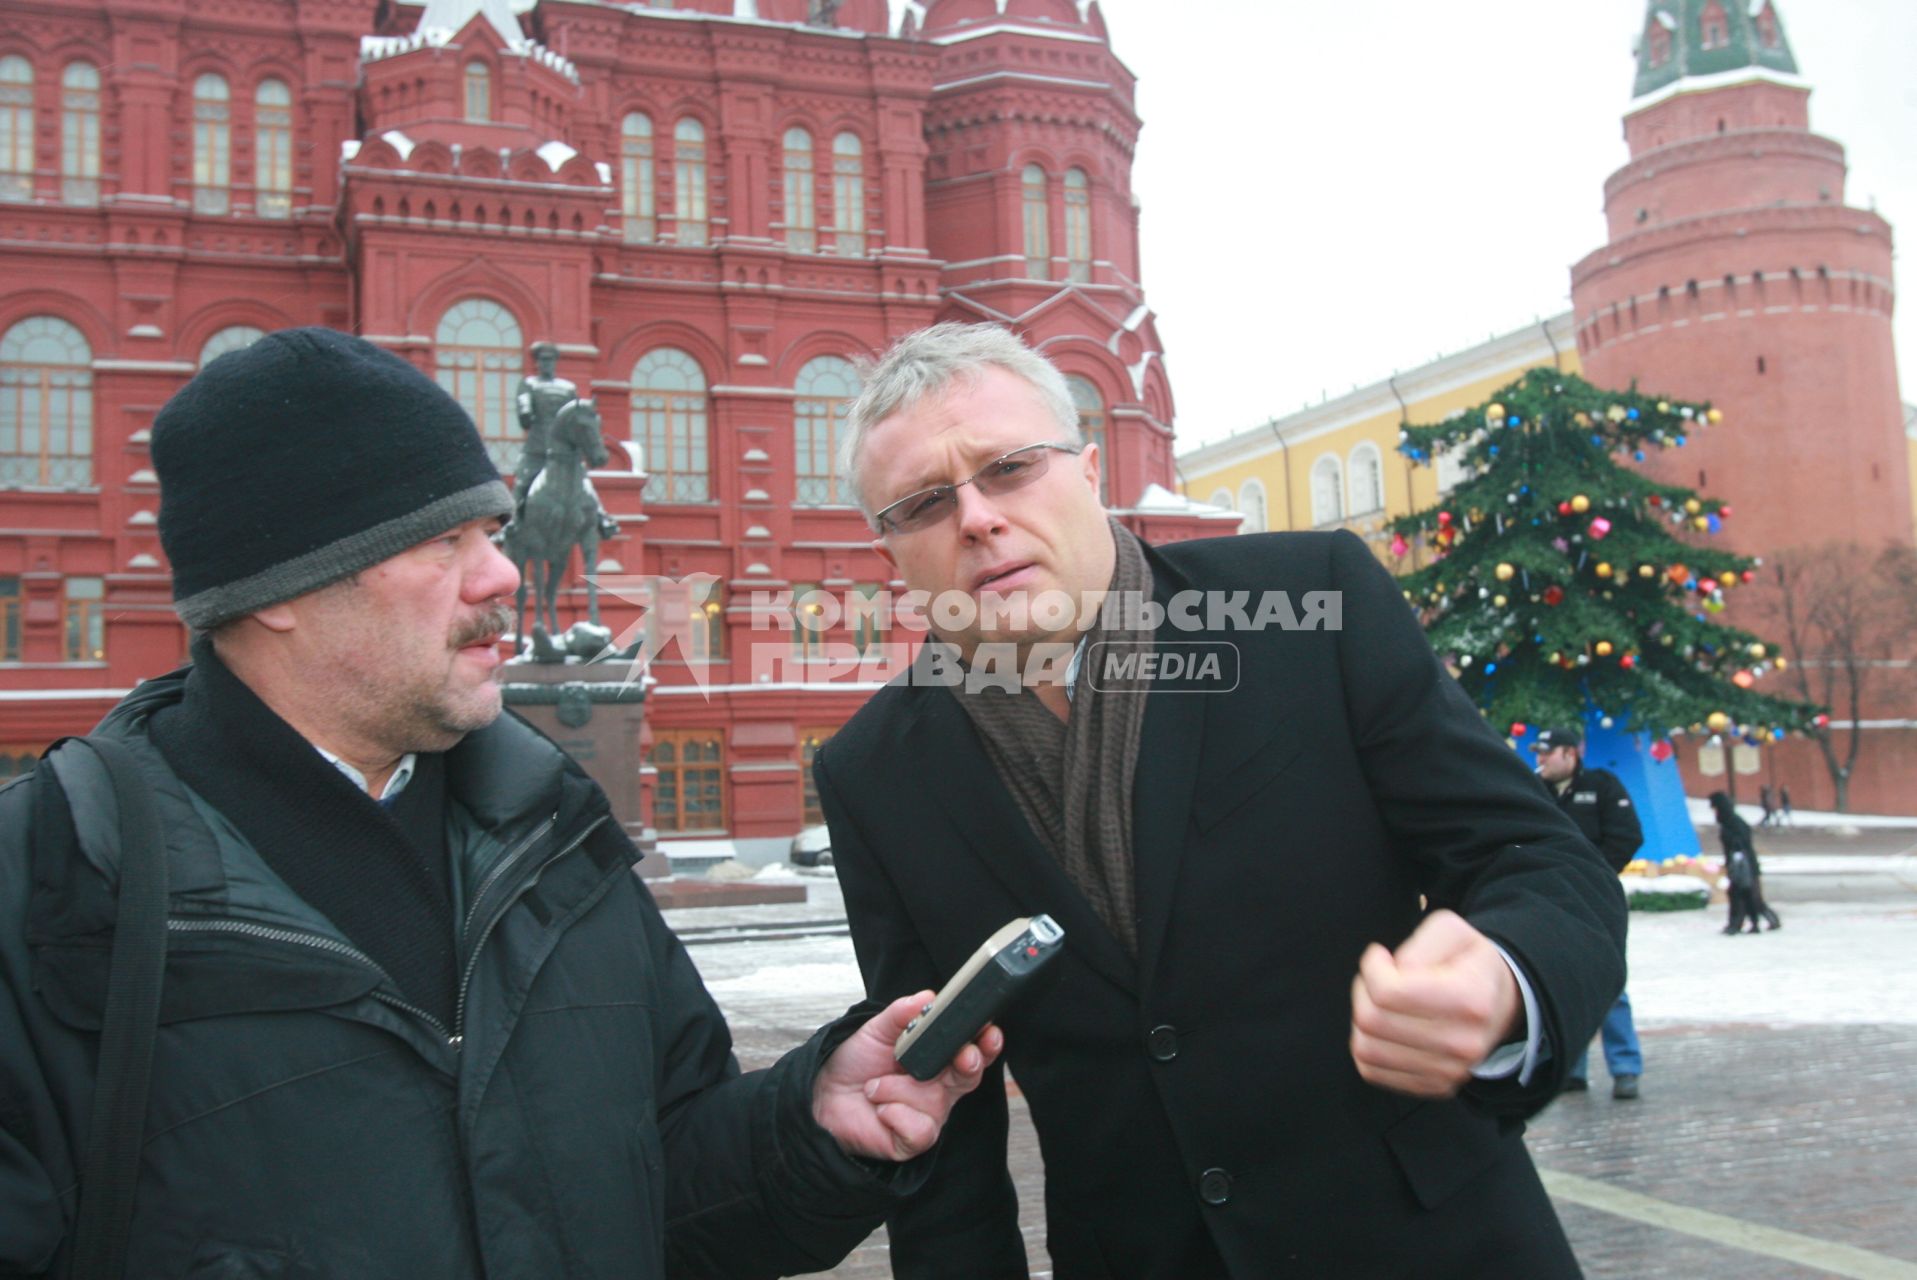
(419, 1019)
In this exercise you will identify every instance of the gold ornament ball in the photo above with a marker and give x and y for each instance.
(1714, 416)
(1580, 504)
(1692, 506)
(1664, 406)
(1506, 572)
(1756, 651)
(1728, 578)
(1718, 722)
(1604, 569)
(1500, 601)
(1781, 661)
(1667, 641)
(1603, 648)
(1494, 410)
(1647, 571)
(1700, 523)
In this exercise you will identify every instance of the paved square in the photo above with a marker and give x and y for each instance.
(1776, 1138)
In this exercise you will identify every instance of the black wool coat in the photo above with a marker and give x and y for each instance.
(1197, 1106)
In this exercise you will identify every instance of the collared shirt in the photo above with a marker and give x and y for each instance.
(394, 785)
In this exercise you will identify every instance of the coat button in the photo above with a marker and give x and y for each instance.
(1214, 1186)
(1162, 1044)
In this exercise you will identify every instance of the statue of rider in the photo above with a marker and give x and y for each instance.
(542, 394)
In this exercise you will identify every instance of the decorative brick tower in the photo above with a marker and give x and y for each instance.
(1736, 272)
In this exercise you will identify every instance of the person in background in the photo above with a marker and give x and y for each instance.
(1600, 806)
(1741, 869)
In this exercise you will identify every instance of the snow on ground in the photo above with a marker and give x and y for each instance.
(1830, 963)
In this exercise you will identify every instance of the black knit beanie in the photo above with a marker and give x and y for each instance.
(301, 460)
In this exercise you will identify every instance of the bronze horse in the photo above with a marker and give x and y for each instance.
(560, 512)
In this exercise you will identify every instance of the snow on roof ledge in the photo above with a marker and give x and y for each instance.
(1158, 499)
(554, 153)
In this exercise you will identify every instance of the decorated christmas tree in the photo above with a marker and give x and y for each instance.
(1570, 588)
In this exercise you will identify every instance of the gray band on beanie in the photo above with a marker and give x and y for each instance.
(341, 559)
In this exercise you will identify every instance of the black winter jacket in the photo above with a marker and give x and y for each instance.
(1600, 806)
(586, 1117)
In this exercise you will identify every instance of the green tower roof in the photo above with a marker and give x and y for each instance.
(1686, 39)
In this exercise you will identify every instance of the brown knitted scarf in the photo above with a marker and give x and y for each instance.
(1072, 779)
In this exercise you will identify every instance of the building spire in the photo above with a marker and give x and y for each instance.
(1689, 39)
(451, 16)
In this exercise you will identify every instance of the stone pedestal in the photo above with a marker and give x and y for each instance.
(597, 723)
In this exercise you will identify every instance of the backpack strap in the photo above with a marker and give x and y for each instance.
(110, 1166)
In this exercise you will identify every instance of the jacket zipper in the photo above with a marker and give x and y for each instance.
(500, 869)
(319, 942)
(458, 1038)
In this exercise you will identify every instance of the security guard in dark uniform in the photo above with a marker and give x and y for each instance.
(1600, 806)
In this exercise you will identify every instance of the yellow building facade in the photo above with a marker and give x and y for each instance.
(1336, 465)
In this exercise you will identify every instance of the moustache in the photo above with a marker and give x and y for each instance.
(489, 624)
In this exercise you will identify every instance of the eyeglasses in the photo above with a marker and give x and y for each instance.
(1003, 474)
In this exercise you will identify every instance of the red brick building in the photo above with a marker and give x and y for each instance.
(710, 206)
(1736, 273)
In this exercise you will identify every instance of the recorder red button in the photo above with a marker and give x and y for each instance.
(1162, 1043)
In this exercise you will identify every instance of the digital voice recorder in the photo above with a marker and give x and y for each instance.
(995, 974)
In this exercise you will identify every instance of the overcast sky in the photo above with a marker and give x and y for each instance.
(1332, 192)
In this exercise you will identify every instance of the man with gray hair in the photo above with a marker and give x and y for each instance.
(1326, 942)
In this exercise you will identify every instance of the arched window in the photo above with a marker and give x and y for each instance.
(1091, 425)
(46, 405)
(479, 91)
(1078, 225)
(16, 128)
(1327, 491)
(273, 150)
(825, 386)
(80, 133)
(1659, 38)
(1767, 26)
(1251, 501)
(689, 180)
(801, 215)
(1038, 227)
(477, 357)
(212, 144)
(1222, 500)
(848, 194)
(636, 201)
(1367, 479)
(1714, 26)
(669, 419)
(233, 338)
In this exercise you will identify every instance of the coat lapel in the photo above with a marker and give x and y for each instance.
(1163, 788)
(986, 822)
